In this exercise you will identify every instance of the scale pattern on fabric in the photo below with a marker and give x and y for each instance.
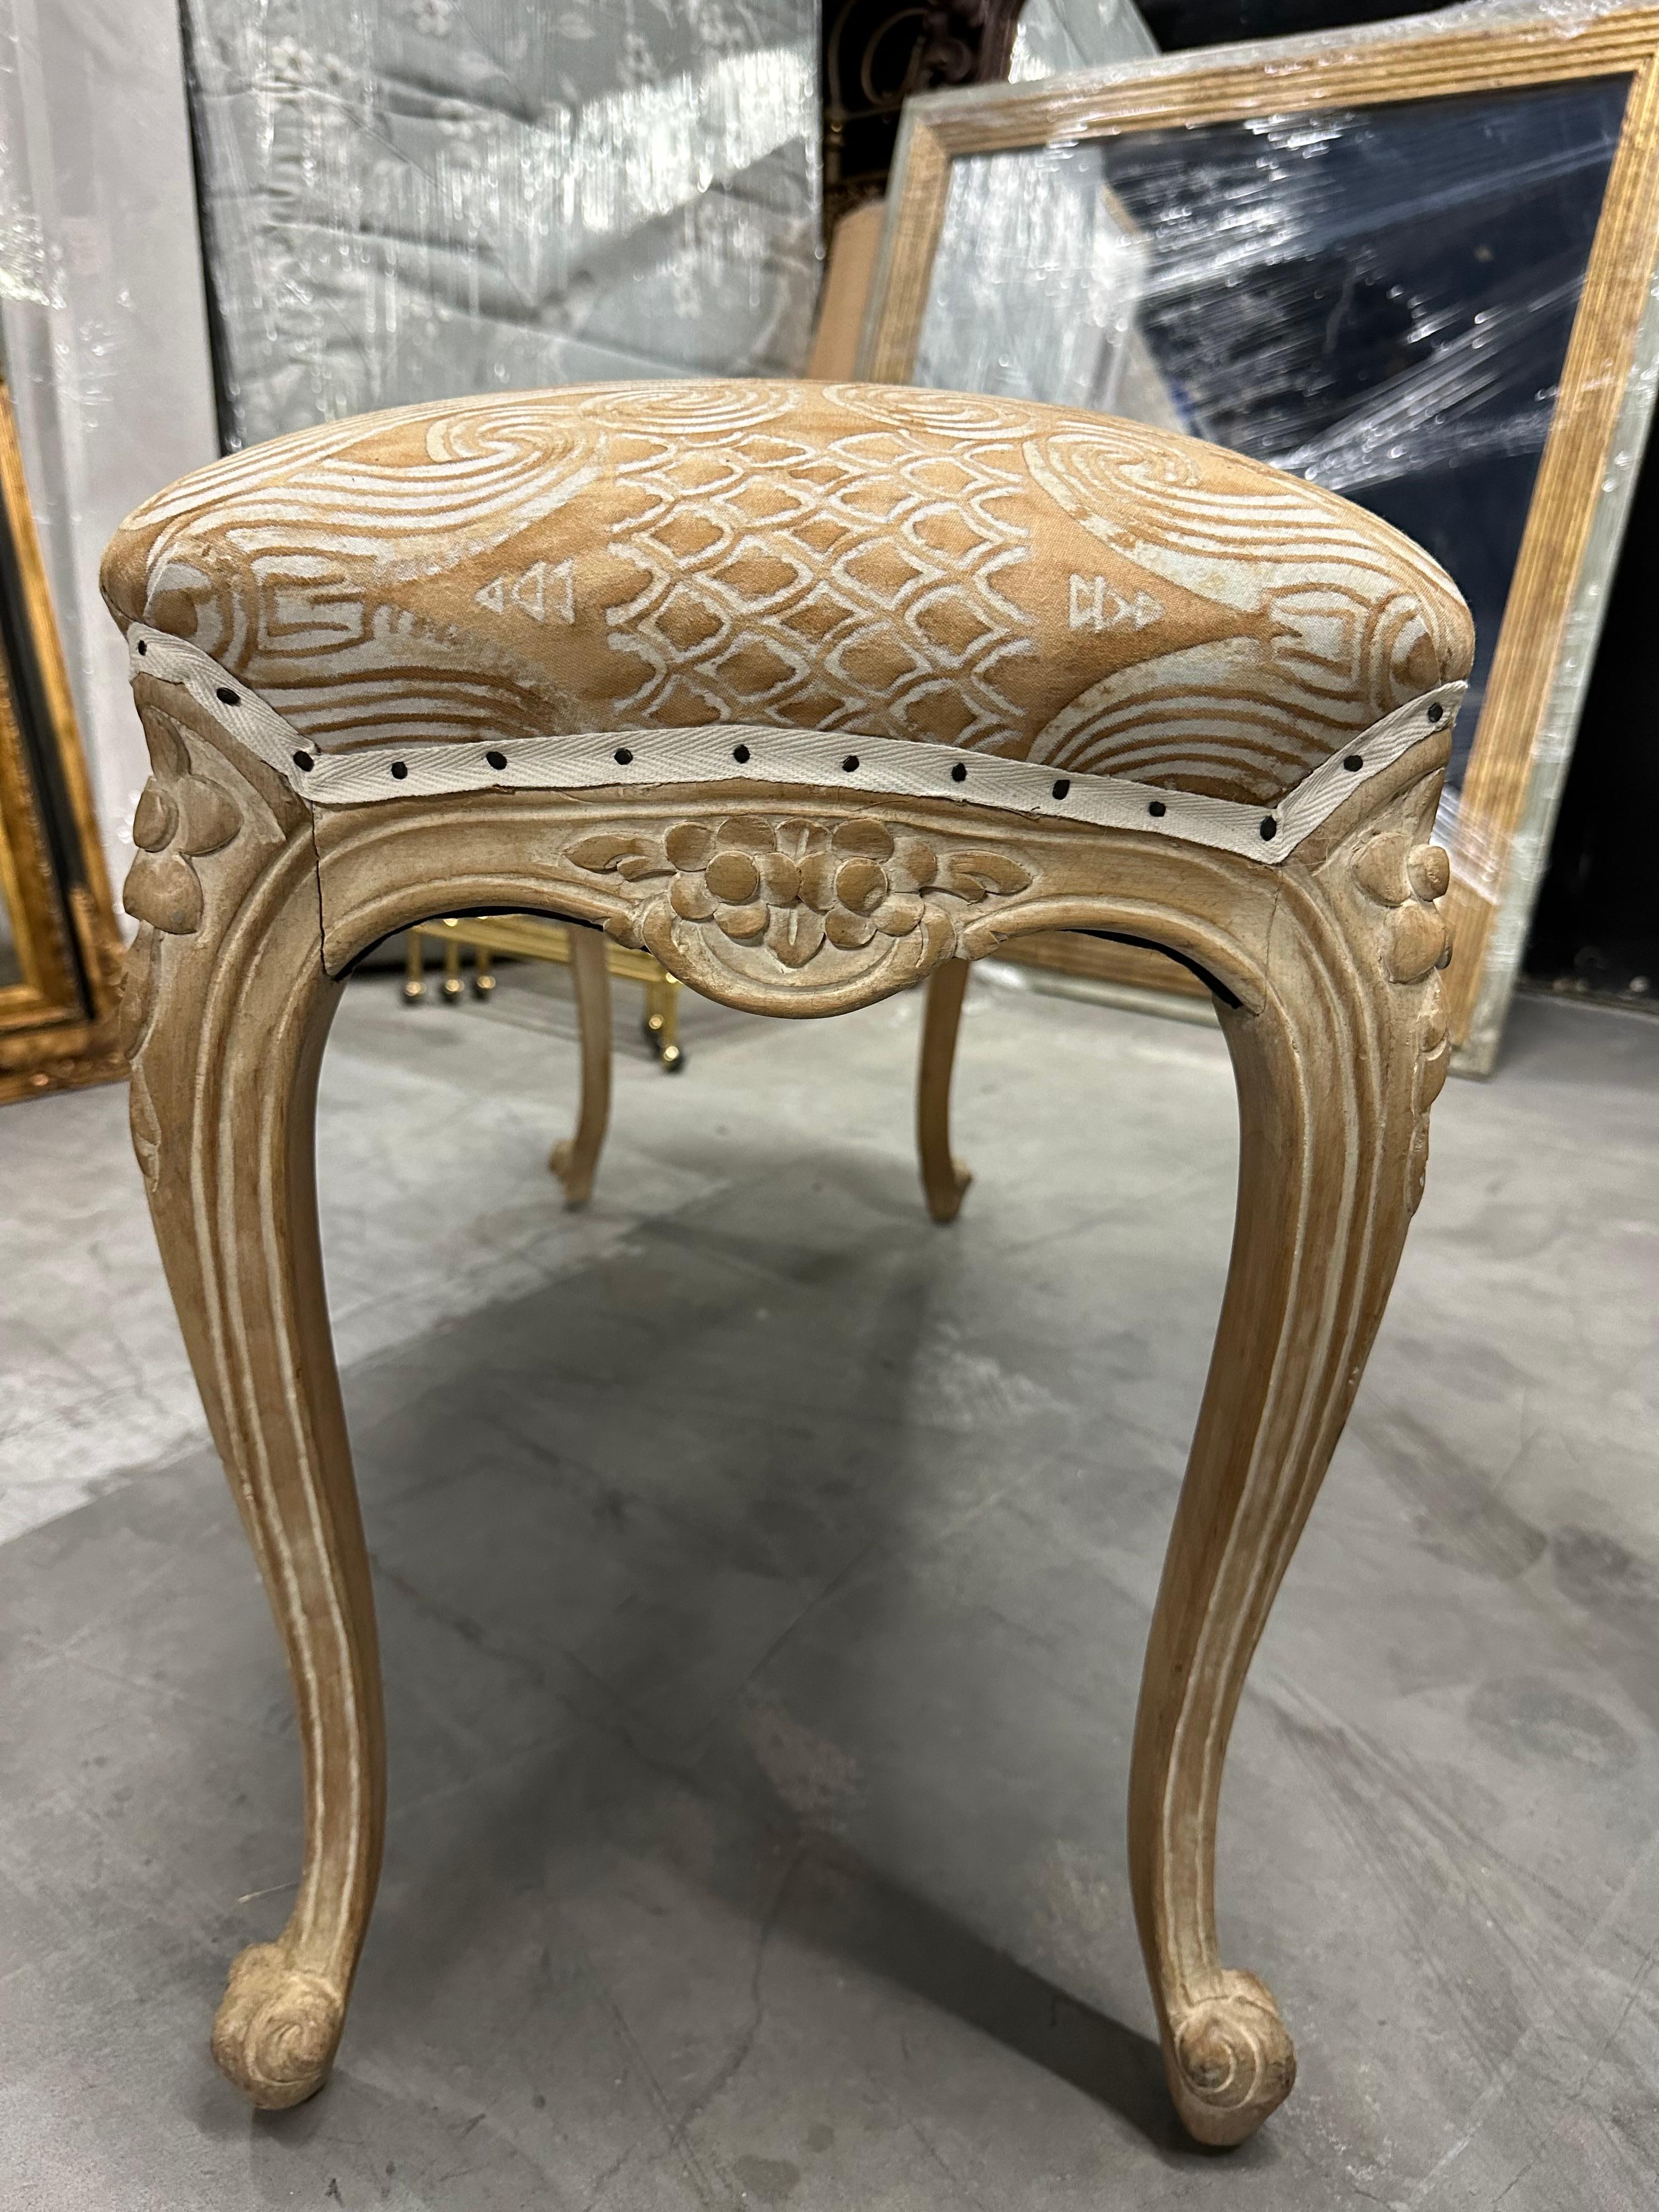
(1009, 579)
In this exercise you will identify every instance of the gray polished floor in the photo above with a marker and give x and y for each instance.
(763, 1574)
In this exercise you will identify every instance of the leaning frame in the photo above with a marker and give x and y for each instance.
(58, 1016)
(1576, 519)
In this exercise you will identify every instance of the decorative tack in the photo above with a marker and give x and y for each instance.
(304, 762)
(1436, 712)
(400, 769)
(894, 768)
(850, 763)
(230, 698)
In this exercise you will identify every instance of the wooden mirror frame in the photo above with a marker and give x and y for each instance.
(1512, 783)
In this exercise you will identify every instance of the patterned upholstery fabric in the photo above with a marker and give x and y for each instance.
(1006, 579)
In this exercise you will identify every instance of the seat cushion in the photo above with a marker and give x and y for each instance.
(1013, 580)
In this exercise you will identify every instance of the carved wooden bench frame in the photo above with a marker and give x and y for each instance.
(256, 895)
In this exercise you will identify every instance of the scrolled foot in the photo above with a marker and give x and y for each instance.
(576, 1175)
(1230, 2061)
(944, 1198)
(277, 2029)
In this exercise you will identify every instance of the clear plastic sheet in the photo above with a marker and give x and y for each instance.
(1055, 35)
(1041, 303)
(1377, 299)
(102, 322)
(404, 199)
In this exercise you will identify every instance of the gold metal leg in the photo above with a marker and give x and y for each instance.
(483, 981)
(415, 967)
(662, 1022)
(452, 986)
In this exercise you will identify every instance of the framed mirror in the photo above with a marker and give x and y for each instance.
(59, 949)
(1415, 265)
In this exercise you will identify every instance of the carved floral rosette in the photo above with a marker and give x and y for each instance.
(204, 825)
(854, 899)
(1401, 877)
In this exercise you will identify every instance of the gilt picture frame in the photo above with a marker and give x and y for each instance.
(1497, 820)
(60, 949)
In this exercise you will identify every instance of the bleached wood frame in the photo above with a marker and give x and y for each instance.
(1513, 782)
(255, 893)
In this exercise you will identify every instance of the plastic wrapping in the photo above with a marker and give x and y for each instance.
(104, 325)
(1041, 305)
(407, 199)
(1055, 35)
(1379, 298)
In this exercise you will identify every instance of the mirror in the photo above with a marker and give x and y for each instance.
(59, 950)
(1379, 299)
(11, 967)
(1411, 263)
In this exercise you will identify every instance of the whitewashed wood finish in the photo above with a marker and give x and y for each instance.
(575, 1159)
(944, 1180)
(252, 903)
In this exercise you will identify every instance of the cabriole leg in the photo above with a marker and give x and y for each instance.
(225, 1012)
(575, 1159)
(944, 1180)
(1335, 1075)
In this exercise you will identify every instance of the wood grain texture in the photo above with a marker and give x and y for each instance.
(793, 900)
(852, 253)
(225, 1009)
(1340, 1046)
(575, 1159)
(1336, 1070)
(944, 1180)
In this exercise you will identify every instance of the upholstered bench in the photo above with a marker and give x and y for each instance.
(809, 689)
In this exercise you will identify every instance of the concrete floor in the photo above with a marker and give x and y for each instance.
(763, 1575)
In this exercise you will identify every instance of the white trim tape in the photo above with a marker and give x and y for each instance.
(727, 752)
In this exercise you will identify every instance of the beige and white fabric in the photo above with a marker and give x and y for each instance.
(1007, 580)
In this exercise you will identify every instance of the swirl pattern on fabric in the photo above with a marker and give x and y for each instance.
(895, 564)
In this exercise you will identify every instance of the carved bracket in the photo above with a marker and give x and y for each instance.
(208, 822)
(1388, 880)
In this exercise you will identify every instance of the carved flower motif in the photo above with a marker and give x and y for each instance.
(179, 818)
(1411, 877)
(793, 884)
